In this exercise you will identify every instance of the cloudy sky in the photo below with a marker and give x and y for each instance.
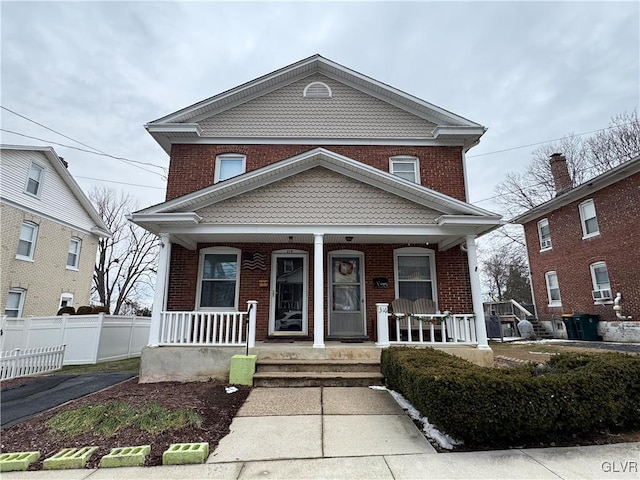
(98, 71)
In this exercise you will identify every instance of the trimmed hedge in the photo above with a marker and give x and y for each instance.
(573, 394)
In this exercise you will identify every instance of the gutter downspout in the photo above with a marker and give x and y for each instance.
(617, 308)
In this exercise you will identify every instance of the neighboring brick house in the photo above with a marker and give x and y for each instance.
(584, 249)
(319, 193)
(50, 234)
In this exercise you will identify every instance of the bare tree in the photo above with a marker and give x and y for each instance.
(505, 272)
(586, 158)
(126, 263)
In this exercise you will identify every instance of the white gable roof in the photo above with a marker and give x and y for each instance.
(54, 206)
(185, 123)
(441, 214)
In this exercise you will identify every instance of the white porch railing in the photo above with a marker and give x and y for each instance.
(209, 328)
(425, 329)
(21, 363)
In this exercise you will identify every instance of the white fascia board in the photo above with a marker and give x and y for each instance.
(328, 141)
(585, 189)
(469, 220)
(179, 128)
(182, 218)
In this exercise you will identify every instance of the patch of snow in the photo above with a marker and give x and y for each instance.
(442, 439)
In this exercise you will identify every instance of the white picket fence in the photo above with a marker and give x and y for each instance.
(20, 363)
(89, 339)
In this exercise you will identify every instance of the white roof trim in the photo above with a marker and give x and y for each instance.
(304, 68)
(101, 229)
(305, 161)
(585, 189)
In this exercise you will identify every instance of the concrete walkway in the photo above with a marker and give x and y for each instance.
(358, 433)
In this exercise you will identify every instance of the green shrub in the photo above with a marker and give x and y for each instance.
(575, 394)
(66, 311)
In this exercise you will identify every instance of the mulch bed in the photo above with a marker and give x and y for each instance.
(209, 399)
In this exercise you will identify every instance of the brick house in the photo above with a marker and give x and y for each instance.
(584, 249)
(322, 195)
(50, 233)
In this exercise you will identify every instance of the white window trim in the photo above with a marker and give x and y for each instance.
(78, 241)
(416, 252)
(29, 258)
(228, 156)
(595, 285)
(23, 293)
(222, 251)
(552, 303)
(583, 219)
(66, 295)
(306, 89)
(40, 183)
(542, 223)
(406, 159)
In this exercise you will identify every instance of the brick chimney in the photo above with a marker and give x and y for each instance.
(561, 178)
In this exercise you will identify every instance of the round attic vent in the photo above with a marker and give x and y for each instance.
(317, 90)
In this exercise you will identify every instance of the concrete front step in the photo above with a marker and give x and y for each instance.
(317, 379)
(369, 366)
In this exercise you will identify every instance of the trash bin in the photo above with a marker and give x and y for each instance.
(586, 326)
(570, 326)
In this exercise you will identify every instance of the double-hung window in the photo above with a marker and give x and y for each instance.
(15, 303)
(553, 289)
(34, 181)
(415, 273)
(405, 166)
(544, 234)
(229, 165)
(27, 241)
(219, 278)
(73, 257)
(600, 279)
(588, 219)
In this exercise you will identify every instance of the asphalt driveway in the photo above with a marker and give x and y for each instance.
(22, 402)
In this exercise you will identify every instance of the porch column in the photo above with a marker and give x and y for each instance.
(318, 290)
(160, 294)
(476, 295)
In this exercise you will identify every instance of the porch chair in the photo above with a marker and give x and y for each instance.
(402, 309)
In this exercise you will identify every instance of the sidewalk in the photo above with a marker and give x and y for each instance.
(358, 433)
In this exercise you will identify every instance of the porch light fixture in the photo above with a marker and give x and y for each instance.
(348, 238)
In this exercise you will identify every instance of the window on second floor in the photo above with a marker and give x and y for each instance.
(600, 280)
(228, 166)
(27, 241)
(219, 277)
(73, 257)
(406, 167)
(15, 303)
(34, 182)
(553, 289)
(588, 219)
(544, 234)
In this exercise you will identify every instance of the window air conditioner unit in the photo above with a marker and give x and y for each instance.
(604, 294)
(545, 243)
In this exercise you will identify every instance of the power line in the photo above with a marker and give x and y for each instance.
(78, 141)
(547, 141)
(120, 183)
(131, 162)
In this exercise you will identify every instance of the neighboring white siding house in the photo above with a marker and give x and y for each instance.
(49, 232)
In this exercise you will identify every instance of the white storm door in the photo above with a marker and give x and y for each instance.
(346, 295)
(289, 292)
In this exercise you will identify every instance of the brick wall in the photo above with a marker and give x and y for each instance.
(47, 277)
(453, 286)
(192, 166)
(618, 245)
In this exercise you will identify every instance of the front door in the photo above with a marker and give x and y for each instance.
(288, 294)
(346, 295)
